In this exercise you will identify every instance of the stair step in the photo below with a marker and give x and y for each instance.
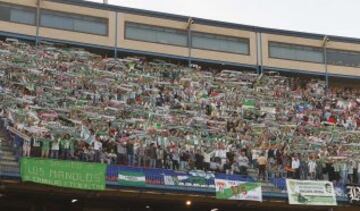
(6, 153)
(8, 157)
(7, 168)
(9, 163)
(6, 148)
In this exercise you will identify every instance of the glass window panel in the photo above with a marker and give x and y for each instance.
(220, 43)
(72, 22)
(138, 33)
(55, 21)
(155, 34)
(22, 16)
(17, 14)
(4, 13)
(295, 52)
(90, 27)
(343, 58)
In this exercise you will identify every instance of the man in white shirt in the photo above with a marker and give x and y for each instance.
(295, 165)
(243, 163)
(312, 168)
(55, 146)
(26, 147)
(220, 152)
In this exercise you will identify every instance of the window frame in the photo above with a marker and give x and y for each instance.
(347, 51)
(19, 7)
(247, 41)
(321, 50)
(74, 16)
(298, 45)
(150, 26)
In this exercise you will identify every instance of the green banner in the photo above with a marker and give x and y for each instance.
(69, 174)
(131, 178)
(311, 192)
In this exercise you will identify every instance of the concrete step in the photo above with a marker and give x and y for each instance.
(6, 153)
(8, 157)
(9, 163)
(9, 166)
(12, 170)
(5, 148)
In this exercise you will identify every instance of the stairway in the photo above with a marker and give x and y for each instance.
(9, 167)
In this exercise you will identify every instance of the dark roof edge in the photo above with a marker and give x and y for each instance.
(206, 21)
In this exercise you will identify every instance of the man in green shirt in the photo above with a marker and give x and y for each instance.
(45, 146)
(65, 147)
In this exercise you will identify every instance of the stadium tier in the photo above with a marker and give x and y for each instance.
(132, 31)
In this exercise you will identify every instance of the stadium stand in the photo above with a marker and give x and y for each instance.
(69, 104)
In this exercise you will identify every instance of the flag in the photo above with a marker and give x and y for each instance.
(131, 178)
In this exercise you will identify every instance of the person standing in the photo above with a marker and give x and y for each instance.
(243, 163)
(26, 147)
(65, 147)
(152, 155)
(55, 146)
(97, 148)
(295, 165)
(130, 152)
(121, 152)
(175, 159)
(262, 162)
(312, 166)
(45, 146)
(140, 154)
(160, 157)
(199, 160)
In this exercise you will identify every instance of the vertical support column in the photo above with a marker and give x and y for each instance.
(260, 53)
(257, 53)
(189, 39)
(116, 34)
(37, 39)
(326, 71)
(324, 44)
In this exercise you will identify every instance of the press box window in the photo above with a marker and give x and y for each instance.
(17, 14)
(148, 33)
(220, 43)
(295, 52)
(72, 22)
(343, 58)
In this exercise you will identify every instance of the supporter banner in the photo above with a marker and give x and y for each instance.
(131, 178)
(70, 174)
(308, 192)
(353, 192)
(238, 190)
(192, 179)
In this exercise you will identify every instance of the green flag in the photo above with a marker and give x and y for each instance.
(131, 178)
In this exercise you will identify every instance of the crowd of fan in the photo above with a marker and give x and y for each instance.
(73, 105)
